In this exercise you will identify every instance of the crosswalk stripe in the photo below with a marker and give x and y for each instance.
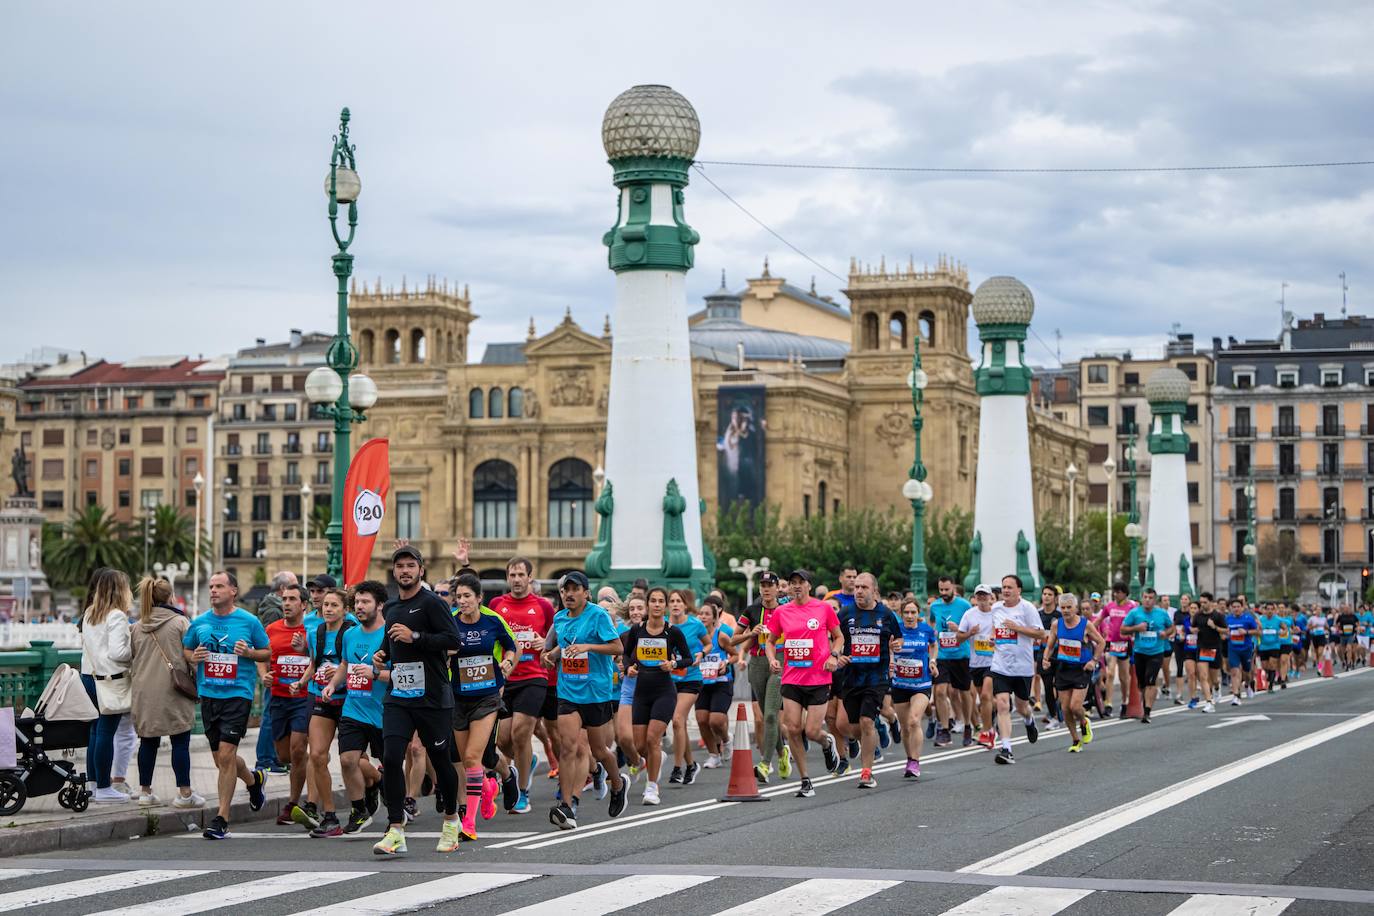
(613, 896)
(1225, 905)
(370, 836)
(246, 892)
(8, 873)
(418, 896)
(88, 887)
(810, 898)
(1019, 901)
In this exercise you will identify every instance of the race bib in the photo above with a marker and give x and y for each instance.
(982, 646)
(221, 668)
(1004, 636)
(1117, 648)
(476, 672)
(324, 674)
(712, 667)
(359, 682)
(797, 652)
(1237, 634)
(408, 680)
(864, 648)
(524, 640)
(1070, 650)
(1147, 639)
(949, 640)
(1206, 655)
(1269, 633)
(1347, 629)
(575, 667)
(908, 669)
(288, 668)
(1190, 641)
(652, 651)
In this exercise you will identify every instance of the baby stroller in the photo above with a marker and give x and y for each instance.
(61, 722)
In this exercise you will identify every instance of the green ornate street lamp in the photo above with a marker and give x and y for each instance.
(335, 389)
(916, 489)
(1251, 585)
(1133, 529)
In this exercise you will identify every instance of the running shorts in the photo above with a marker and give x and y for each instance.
(1240, 658)
(716, 697)
(225, 720)
(902, 695)
(653, 703)
(1072, 677)
(525, 697)
(1147, 668)
(815, 695)
(1270, 655)
(358, 736)
(548, 711)
(433, 723)
(1285, 648)
(1017, 685)
(864, 702)
(466, 712)
(954, 672)
(977, 674)
(330, 711)
(1217, 661)
(591, 714)
(1318, 640)
(688, 686)
(289, 714)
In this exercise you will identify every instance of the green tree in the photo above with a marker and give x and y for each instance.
(90, 539)
(948, 536)
(319, 520)
(1282, 571)
(174, 537)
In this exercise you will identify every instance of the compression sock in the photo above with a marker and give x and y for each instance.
(474, 789)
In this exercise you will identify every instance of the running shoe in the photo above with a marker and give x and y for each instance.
(1035, 706)
(256, 796)
(761, 771)
(553, 773)
(1005, 756)
(866, 780)
(277, 769)
(1209, 707)
(785, 762)
(448, 837)
(1192, 704)
(842, 767)
(522, 804)
(896, 731)
(305, 816)
(329, 827)
(931, 729)
(943, 737)
(1235, 701)
(534, 765)
(832, 758)
(489, 789)
(1178, 701)
(372, 797)
(968, 735)
(1145, 719)
(651, 794)
(806, 790)
(712, 762)
(1283, 685)
(357, 822)
(619, 797)
(913, 770)
(676, 776)
(466, 836)
(689, 775)
(853, 747)
(285, 815)
(1125, 714)
(412, 809)
(218, 829)
(1076, 747)
(987, 739)
(599, 782)
(877, 755)
(884, 739)
(1032, 733)
(563, 817)
(510, 788)
(393, 843)
(1107, 711)
(1087, 732)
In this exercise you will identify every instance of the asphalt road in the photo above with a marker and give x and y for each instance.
(1260, 816)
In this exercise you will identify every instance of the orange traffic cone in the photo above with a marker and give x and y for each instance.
(1325, 668)
(1260, 682)
(743, 786)
(1135, 706)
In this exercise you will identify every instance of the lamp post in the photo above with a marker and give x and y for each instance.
(149, 532)
(748, 569)
(171, 572)
(1109, 468)
(1133, 529)
(916, 490)
(305, 530)
(1071, 472)
(199, 484)
(341, 395)
(1250, 551)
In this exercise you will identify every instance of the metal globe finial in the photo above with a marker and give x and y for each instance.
(650, 121)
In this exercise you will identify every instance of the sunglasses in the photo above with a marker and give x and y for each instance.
(441, 594)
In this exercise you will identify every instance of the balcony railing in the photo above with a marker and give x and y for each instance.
(292, 480)
(1331, 431)
(262, 480)
(1285, 432)
(291, 448)
(565, 545)
(324, 448)
(261, 449)
(488, 546)
(1320, 515)
(1328, 471)
(231, 450)
(320, 479)
(1366, 430)
(1240, 432)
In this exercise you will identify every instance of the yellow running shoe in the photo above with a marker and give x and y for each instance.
(448, 837)
(1076, 747)
(1087, 731)
(785, 762)
(394, 843)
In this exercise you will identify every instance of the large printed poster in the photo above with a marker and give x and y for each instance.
(741, 428)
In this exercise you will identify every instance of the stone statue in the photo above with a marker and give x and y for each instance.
(677, 559)
(531, 404)
(35, 554)
(19, 471)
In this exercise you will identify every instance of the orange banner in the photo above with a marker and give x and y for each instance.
(369, 477)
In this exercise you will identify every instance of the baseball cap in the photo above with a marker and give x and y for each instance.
(575, 578)
(323, 580)
(803, 574)
(1096, 596)
(768, 577)
(408, 550)
(982, 588)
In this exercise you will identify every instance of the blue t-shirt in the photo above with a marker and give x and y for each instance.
(1269, 632)
(333, 646)
(1151, 641)
(715, 665)
(911, 665)
(1367, 619)
(585, 678)
(941, 613)
(476, 669)
(1239, 625)
(225, 675)
(694, 631)
(844, 601)
(363, 696)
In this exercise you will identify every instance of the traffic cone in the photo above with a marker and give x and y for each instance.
(1260, 682)
(1325, 667)
(743, 786)
(1135, 706)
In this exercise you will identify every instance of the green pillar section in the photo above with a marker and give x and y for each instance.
(1163, 439)
(1029, 580)
(677, 559)
(1185, 578)
(640, 239)
(994, 375)
(1150, 571)
(598, 562)
(975, 566)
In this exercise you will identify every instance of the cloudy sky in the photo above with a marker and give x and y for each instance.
(162, 162)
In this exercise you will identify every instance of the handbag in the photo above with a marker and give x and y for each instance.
(182, 682)
(113, 694)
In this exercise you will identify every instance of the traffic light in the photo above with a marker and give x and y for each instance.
(1364, 583)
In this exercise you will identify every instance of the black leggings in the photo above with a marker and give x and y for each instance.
(435, 727)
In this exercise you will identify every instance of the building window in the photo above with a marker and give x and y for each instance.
(91, 436)
(1194, 496)
(92, 467)
(231, 544)
(163, 401)
(1242, 465)
(262, 508)
(192, 435)
(1288, 504)
(1097, 493)
(418, 349)
(925, 326)
(1098, 452)
(1286, 425)
(494, 500)
(1192, 453)
(515, 401)
(1369, 382)
(820, 498)
(806, 505)
(1331, 458)
(198, 401)
(288, 412)
(231, 508)
(149, 499)
(570, 499)
(476, 404)
(264, 444)
(1132, 378)
(259, 543)
(92, 498)
(291, 507)
(293, 444)
(1190, 414)
(1127, 418)
(133, 403)
(896, 326)
(1288, 378)
(1097, 374)
(1331, 502)
(1244, 379)
(192, 466)
(322, 442)
(321, 472)
(52, 499)
(1331, 545)
(52, 469)
(1194, 532)
(54, 437)
(1333, 378)
(150, 467)
(1099, 415)
(408, 515)
(496, 404)
(189, 499)
(125, 498)
(1243, 427)
(1287, 462)
(870, 331)
(1189, 369)
(393, 346)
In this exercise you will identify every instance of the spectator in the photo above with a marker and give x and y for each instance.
(158, 708)
(269, 608)
(105, 656)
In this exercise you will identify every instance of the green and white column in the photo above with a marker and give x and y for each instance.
(1169, 541)
(650, 134)
(1004, 505)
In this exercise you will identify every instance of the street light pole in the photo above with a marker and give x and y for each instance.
(916, 489)
(1251, 586)
(1071, 472)
(305, 530)
(748, 569)
(199, 484)
(1133, 520)
(1109, 468)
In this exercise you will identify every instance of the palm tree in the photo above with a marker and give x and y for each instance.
(320, 517)
(174, 540)
(90, 539)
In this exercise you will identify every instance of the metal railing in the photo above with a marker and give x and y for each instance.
(1331, 431)
(1285, 432)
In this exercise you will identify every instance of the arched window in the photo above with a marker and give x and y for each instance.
(365, 344)
(476, 403)
(496, 404)
(820, 497)
(393, 346)
(897, 327)
(494, 500)
(926, 328)
(516, 403)
(570, 499)
(870, 338)
(418, 351)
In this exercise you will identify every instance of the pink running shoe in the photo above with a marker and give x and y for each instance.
(490, 787)
(913, 770)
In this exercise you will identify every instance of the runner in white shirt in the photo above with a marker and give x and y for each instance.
(1015, 628)
(976, 624)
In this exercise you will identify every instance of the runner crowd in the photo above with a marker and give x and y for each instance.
(440, 693)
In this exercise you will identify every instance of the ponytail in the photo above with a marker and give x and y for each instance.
(150, 592)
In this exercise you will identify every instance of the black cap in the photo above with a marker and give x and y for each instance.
(575, 577)
(804, 574)
(769, 577)
(408, 550)
(323, 581)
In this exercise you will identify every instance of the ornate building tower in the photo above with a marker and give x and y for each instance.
(1004, 509)
(649, 505)
(1169, 543)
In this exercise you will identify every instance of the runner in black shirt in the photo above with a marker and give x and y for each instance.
(652, 650)
(1211, 656)
(420, 633)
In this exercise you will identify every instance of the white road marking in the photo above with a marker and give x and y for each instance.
(810, 898)
(371, 836)
(1217, 905)
(233, 894)
(419, 896)
(613, 896)
(8, 873)
(89, 887)
(1236, 720)
(1019, 901)
(1036, 852)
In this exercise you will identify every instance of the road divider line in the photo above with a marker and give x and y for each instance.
(613, 896)
(1019, 901)
(1036, 852)
(811, 898)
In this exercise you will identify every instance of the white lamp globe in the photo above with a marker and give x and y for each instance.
(323, 385)
(912, 490)
(347, 185)
(362, 391)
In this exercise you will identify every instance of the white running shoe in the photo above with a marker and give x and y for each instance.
(1209, 707)
(712, 762)
(1235, 701)
(147, 800)
(651, 794)
(194, 800)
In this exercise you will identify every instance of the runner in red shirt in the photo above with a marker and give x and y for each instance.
(290, 704)
(527, 688)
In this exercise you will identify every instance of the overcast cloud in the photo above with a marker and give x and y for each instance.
(162, 163)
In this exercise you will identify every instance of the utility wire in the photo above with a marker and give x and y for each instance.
(1037, 170)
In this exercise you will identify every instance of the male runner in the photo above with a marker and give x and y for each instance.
(1076, 648)
(953, 698)
(1150, 628)
(289, 706)
(1273, 639)
(1346, 625)
(223, 643)
(530, 616)
(364, 689)
(868, 630)
(1015, 628)
(1242, 628)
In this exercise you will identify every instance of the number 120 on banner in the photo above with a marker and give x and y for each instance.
(364, 504)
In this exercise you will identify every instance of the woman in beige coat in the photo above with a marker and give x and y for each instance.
(158, 709)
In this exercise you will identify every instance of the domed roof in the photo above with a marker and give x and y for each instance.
(1002, 300)
(1167, 385)
(718, 337)
(652, 121)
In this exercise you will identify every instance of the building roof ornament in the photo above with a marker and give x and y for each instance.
(650, 121)
(1167, 386)
(1002, 300)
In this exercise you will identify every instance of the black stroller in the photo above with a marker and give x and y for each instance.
(61, 722)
